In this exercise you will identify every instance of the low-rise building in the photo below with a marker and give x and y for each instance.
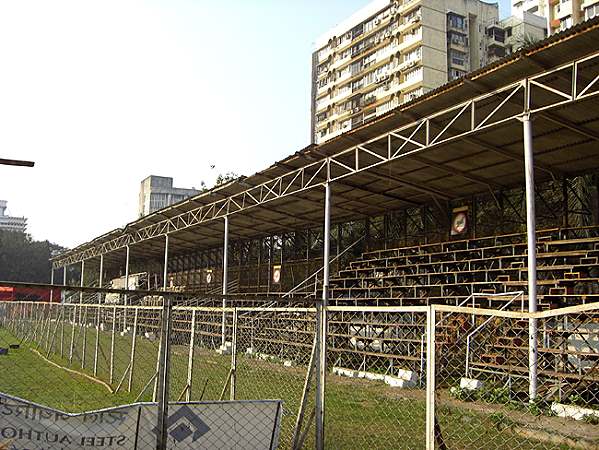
(158, 192)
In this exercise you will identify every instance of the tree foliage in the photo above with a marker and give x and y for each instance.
(23, 259)
(222, 178)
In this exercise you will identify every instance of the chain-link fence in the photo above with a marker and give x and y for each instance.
(395, 377)
(494, 392)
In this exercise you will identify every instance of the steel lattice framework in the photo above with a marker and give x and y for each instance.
(530, 96)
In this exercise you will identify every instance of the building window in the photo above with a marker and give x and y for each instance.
(456, 21)
(455, 73)
(458, 58)
(591, 11)
(458, 39)
(565, 23)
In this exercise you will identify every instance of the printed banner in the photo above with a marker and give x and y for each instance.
(195, 425)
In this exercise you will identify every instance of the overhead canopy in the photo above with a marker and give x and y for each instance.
(460, 139)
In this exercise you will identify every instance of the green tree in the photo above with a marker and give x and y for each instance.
(23, 259)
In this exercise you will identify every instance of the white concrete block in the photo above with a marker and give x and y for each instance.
(573, 411)
(374, 376)
(398, 382)
(150, 335)
(343, 372)
(408, 375)
(470, 384)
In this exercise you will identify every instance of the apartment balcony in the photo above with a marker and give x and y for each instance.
(339, 115)
(409, 43)
(323, 104)
(587, 3)
(412, 83)
(461, 30)
(463, 66)
(387, 106)
(492, 42)
(341, 95)
(410, 64)
(563, 10)
(322, 58)
(340, 61)
(406, 6)
(457, 46)
(406, 25)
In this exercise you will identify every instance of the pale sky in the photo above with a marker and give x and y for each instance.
(101, 94)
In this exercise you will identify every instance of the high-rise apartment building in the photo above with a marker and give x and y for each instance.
(158, 192)
(392, 51)
(559, 14)
(10, 223)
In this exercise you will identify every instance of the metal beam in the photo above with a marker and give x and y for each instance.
(16, 162)
(571, 125)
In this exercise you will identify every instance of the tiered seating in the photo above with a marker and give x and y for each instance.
(448, 272)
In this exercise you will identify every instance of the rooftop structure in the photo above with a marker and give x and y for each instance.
(10, 223)
(158, 192)
(522, 29)
(461, 138)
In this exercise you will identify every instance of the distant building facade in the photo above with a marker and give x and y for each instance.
(558, 14)
(523, 28)
(158, 192)
(10, 223)
(393, 51)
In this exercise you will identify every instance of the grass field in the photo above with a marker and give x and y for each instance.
(359, 413)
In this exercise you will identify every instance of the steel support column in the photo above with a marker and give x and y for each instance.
(51, 282)
(126, 297)
(81, 284)
(101, 278)
(64, 283)
(165, 274)
(225, 269)
(532, 256)
(322, 324)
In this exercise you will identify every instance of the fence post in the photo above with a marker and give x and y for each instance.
(72, 346)
(164, 375)
(84, 344)
(430, 377)
(112, 344)
(133, 342)
(97, 345)
(234, 356)
(190, 359)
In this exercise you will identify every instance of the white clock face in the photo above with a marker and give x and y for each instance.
(276, 275)
(459, 222)
(208, 278)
